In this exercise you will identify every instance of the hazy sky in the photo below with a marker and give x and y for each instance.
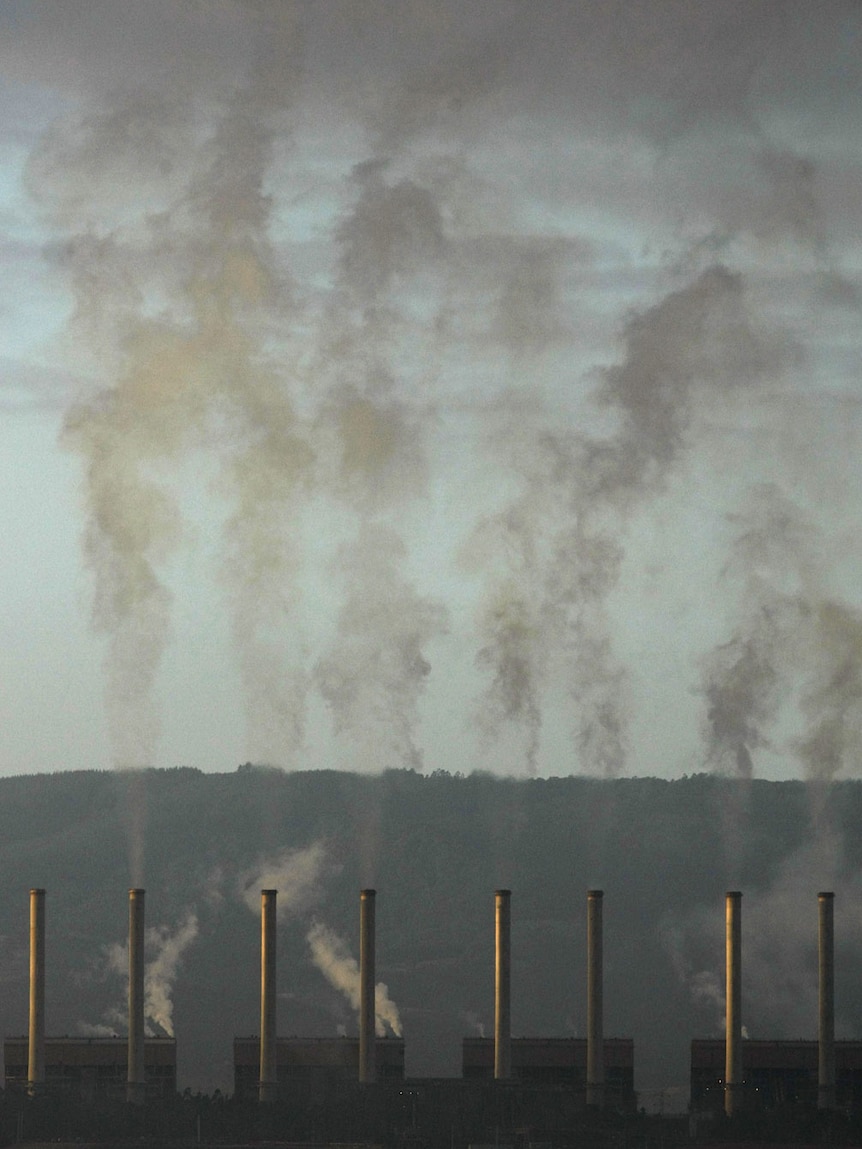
(456, 385)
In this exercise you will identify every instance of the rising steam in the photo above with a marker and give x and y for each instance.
(161, 970)
(166, 947)
(330, 954)
(295, 873)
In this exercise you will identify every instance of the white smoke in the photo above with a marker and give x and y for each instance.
(330, 954)
(296, 875)
(166, 947)
(160, 971)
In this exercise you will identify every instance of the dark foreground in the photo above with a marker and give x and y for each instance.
(430, 1115)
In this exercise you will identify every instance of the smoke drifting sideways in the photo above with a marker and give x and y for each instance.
(167, 947)
(330, 954)
(299, 877)
(297, 874)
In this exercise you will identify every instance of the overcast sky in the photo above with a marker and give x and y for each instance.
(469, 385)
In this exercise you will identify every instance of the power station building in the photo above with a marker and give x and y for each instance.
(321, 1063)
(774, 1074)
(556, 1061)
(89, 1068)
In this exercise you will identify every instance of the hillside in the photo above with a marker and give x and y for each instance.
(435, 847)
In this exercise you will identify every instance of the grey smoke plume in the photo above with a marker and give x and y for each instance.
(330, 954)
(373, 675)
(196, 373)
(373, 680)
(300, 256)
(699, 339)
(832, 698)
(554, 543)
(792, 640)
(512, 655)
(174, 304)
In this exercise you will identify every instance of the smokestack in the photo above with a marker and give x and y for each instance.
(733, 1026)
(36, 1051)
(595, 1005)
(367, 1013)
(502, 988)
(826, 1026)
(268, 1085)
(136, 1078)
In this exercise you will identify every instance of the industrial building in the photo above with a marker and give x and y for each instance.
(572, 1074)
(91, 1068)
(774, 1073)
(320, 1063)
(556, 1061)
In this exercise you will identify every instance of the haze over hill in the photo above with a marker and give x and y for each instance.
(435, 847)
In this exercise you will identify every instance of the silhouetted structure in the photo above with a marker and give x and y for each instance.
(557, 1061)
(320, 1062)
(88, 1068)
(774, 1073)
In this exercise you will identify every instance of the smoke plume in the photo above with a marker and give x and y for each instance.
(330, 954)
(792, 640)
(422, 366)
(373, 681)
(295, 873)
(166, 947)
(160, 971)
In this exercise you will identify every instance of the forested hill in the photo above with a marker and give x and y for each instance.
(435, 847)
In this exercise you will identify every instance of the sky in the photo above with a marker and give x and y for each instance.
(454, 386)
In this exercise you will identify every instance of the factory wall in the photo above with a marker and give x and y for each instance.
(319, 1063)
(774, 1073)
(92, 1067)
(556, 1061)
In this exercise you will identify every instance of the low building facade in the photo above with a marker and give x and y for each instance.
(775, 1074)
(556, 1061)
(93, 1067)
(321, 1062)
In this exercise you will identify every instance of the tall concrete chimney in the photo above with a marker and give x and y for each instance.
(826, 1021)
(136, 1077)
(595, 1006)
(268, 1085)
(733, 1027)
(367, 1012)
(36, 1049)
(502, 986)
